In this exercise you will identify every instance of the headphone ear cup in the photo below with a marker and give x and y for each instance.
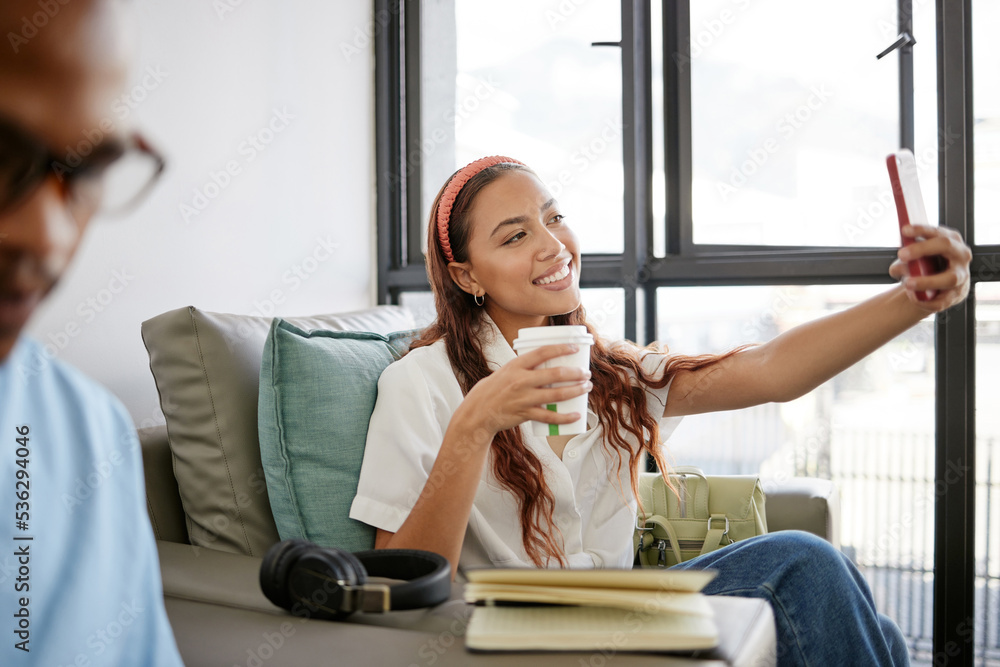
(275, 568)
(316, 581)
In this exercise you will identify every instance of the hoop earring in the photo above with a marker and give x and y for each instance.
(480, 299)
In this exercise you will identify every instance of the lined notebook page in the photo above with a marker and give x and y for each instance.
(558, 628)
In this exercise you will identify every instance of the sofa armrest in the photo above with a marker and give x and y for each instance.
(803, 503)
(163, 500)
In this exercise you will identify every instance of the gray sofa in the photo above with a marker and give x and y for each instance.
(208, 507)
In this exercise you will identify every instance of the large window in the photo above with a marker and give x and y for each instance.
(787, 142)
(723, 163)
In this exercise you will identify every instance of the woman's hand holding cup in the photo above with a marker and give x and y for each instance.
(519, 390)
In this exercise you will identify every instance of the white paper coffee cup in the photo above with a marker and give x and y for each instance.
(534, 337)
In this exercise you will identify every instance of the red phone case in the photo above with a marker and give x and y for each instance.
(910, 210)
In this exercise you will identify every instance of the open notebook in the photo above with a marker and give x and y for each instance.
(579, 610)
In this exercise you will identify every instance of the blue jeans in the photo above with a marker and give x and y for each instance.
(823, 608)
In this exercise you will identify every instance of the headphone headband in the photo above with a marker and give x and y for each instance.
(325, 582)
(451, 190)
(427, 575)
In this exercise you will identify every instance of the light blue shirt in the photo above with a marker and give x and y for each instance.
(79, 578)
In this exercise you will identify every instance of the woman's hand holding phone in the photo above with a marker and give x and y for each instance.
(933, 262)
(948, 258)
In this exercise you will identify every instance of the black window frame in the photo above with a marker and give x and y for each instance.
(400, 234)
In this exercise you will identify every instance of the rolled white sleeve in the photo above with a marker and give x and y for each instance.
(404, 437)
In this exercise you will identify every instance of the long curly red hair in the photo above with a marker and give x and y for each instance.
(617, 397)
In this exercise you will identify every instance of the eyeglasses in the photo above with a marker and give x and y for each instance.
(109, 179)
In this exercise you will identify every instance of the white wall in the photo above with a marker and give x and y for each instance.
(221, 76)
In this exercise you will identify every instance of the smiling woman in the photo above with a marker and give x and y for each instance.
(451, 467)
(501, 257)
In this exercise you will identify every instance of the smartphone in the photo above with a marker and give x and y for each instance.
(910, 210)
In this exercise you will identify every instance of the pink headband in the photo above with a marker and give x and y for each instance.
(451, 191)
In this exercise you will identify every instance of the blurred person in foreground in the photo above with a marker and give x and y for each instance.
(79, 574)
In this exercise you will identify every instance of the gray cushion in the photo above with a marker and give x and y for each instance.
(206, 367)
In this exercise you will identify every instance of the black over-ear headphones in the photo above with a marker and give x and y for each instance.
(328, 583)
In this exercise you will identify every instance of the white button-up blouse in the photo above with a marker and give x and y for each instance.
(417, 395)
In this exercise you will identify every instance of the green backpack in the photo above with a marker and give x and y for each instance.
(704, 514)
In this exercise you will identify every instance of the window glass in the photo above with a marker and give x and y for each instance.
(605, 308)
(659, 184)
(986, 120)
(927, 140)
(870, 430)
(792, 117)
(521, 78)
(987, 591)
(421, 304)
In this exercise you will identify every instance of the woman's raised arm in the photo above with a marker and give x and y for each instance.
(802, 358)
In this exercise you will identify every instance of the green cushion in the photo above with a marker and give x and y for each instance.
(317, 393)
